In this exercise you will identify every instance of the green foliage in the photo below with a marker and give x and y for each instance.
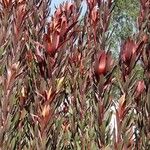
(123, 23)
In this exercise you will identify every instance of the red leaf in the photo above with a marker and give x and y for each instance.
(102, 63)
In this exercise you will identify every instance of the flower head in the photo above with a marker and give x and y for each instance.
(103, 63)
(128, 50)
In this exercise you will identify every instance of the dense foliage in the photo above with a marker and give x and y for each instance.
(60, 85)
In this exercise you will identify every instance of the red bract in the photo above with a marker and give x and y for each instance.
(60, 27)
(140, 87)
(129, 55)
(128, 50)
(103, 63)
(51, 42)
